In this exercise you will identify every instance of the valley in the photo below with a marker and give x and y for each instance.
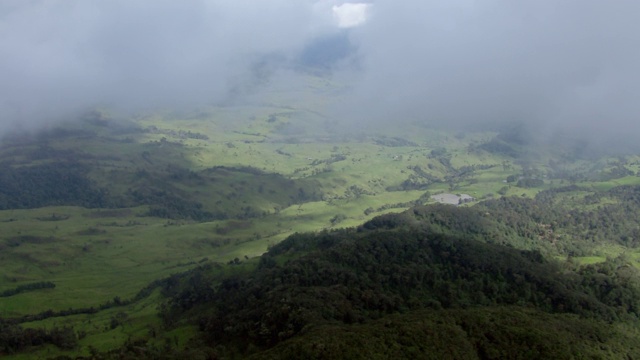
(101, 211)
(335, 179)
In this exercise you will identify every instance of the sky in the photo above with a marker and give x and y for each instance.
(567, 65)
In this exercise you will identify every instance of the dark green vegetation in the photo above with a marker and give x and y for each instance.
(264, 231)
(400, 264)
(28, 287)
(429, 282)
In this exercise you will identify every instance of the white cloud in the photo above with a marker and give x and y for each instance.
(351, 14)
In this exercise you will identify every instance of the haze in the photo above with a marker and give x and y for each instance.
(567, 66)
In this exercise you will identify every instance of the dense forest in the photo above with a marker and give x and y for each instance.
(396, 265)
(61, 183)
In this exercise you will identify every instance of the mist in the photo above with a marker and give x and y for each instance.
(60, 57)
(569, 66)
(557, 67)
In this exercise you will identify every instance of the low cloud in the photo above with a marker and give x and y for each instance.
(555, 65)
(571, 65)
(58, 57)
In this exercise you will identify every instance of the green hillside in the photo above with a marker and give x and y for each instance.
(399, 287)
(164, 233)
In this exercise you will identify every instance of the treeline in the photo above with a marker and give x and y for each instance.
(14, 338)
(164, 192)
(28, 287)
(394, 142)
(40, 175)
(476, 333)
(180, 134)
(68, 183)
(572, 230)
(115, 302)
(421, 179)
(498, 147)
(544, 223)
(168, 205)
(60, 183)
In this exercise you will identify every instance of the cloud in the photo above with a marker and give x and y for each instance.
(57, 57)
(555, 65)
(571, 64)
(350, 14)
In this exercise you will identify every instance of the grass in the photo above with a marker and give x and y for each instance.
(587, 260)
(134, 321)
(607, 185)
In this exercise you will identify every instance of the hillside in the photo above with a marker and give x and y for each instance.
(398, 264)
(424, 283)
(106, 218)
(394, 285)
(353, 179)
